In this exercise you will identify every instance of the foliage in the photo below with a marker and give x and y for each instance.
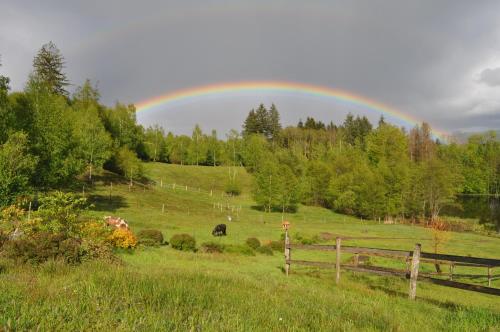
(253, 242)
(263, 121)
(16, 168)
(277, 245)
(184, 242)
(43, 246)
(127, 164)
(59, 213)
(154, 236)
(122, 238)
(11, 218)
(49, 65)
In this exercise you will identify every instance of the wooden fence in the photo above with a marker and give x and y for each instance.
(412, 259)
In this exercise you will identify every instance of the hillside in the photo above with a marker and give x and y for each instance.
(163, 289)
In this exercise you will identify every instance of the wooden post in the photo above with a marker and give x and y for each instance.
(163, 208)
(452, 267)
(356, 259)
(186, 188)
(489, 276)
(287, 253)
(415, 262)
(211, 193)
(110, 189)
(337, 267)
(407, 261)
(161, 183)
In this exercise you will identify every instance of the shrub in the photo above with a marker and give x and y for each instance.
(253, 242)
(150, 237)
(44, 246)
(122, 238)
(239, 249)
(266, 250)
(277, 245)
(184, 242)
(212, 247)
(232, 188)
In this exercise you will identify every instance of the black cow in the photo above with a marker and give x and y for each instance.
(219, 230)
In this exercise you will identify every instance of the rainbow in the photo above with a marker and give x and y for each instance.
(279, 87)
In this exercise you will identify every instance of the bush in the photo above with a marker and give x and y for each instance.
(232, 188)
(277, 245)
(212, 247)
(266, 250)
(150, 237)
(184, 242)
(239, 249)
(122, 238)
(253, 242)
(44, 246)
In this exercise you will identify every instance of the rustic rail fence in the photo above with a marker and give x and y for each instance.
(412, 259)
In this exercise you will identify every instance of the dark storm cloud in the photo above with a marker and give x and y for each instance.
(422, 57)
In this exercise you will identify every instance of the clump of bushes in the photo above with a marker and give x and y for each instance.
(253, 242)
(184, 242)
(277, 245)
(305, 240)
(266, 250)
(150, 237)
(122, 238)
(42, 247)
(57, 232)
(212, 247)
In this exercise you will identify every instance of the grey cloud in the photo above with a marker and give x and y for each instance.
(410, 55)
(490, 76)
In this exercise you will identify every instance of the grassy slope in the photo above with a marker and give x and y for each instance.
(164, 289)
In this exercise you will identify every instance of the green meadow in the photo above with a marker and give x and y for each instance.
(167, 290)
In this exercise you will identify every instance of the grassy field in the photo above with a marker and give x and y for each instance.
(163, 289)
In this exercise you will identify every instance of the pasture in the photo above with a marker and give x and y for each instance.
(164, 289)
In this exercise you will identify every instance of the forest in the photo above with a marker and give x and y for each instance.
(48, 137)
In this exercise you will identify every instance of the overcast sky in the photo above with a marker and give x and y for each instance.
(436, 60)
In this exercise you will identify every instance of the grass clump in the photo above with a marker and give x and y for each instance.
(212, 247)
(266, 250)
(240, 250)
(183, 242)
(253, 243)
(277, 245)
(150, 237)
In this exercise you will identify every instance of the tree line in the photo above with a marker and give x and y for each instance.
(48, 137)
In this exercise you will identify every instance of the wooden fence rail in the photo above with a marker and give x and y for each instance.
(412, 259)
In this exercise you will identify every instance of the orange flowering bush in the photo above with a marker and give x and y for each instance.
(122, 238)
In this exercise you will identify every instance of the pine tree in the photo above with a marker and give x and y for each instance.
(48, 65)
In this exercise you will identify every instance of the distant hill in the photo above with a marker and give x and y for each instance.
(462, 136)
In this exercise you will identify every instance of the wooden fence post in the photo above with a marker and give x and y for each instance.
(287, 253)
(163, 208)
(356, 259)
(452, 267)
(415, 261)
(337, 267)
(489, 276)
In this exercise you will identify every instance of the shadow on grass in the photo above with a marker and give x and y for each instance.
(443, 304)
(107, 203)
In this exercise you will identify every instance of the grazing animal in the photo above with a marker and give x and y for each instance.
(219, 230)
(116, 222)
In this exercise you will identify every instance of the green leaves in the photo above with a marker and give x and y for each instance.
(16, 168)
